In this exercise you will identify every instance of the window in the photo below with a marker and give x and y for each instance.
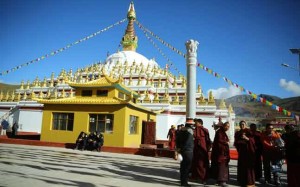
(101, 123)
(102, 93)
(86, 93)
(133, 124)
(63, 121)
(121, 95)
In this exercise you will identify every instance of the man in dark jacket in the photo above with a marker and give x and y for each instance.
(185, 146)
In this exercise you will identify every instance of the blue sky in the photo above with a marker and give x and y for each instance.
(244, 41)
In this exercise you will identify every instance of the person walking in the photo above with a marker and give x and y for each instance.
(172, 137)
(245, 145)
(271, 154)
(220, 156)
(202, 145)
(185, 146)
(5, 126)
(14, 129)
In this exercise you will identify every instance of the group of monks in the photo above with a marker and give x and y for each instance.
(194, 144)
(93, 141)
(260, 154)
(268, 149)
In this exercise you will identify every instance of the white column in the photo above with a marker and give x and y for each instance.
(191, 62)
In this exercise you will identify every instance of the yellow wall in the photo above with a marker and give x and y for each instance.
(120, 136)
(134, 140)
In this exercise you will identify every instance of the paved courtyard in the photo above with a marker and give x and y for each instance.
(23, 165)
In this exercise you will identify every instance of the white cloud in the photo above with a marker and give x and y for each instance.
(290, 86)
(224, 93)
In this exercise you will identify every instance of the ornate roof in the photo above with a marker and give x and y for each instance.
(105, 81)
(83, 100)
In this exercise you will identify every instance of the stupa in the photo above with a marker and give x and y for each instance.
(159, 90)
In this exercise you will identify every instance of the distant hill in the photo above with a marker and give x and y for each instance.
(8, 87)
(246, 106)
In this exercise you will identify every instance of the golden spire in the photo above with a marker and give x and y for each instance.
(211, 99)
(222, 104)
(22, 85)
(156, 98)
(176, 99)
(129, 40)
(230, 109)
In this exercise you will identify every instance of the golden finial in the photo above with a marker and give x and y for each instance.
(166, 97)
(32, 95)
(222, 104)
(176, 99)
(156, 97)
(51, 83)
(159, 82)
(52, 76)
(41, 94)
(211, 99)
(174, 82)
(44, 83)
(201, 100)
(129, 40)
(199, 90)
(18, 97)
(146, 98)
(25, 96)
(28, 85)
(139, 80)
(230, 109)
(183, 83)
(22, 85)
(1, 95)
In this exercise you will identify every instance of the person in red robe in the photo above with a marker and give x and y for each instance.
(245, 145)
(220, 156)
(202, 145)
(258, 151)
(292, 145)
(172, 137)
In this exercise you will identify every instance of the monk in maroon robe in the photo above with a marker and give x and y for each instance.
(202, 145)
(245, 145)
(172, 137)
(292, 145)
(258, 151)
(220, 156)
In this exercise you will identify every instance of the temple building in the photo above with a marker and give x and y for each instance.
(127, 84)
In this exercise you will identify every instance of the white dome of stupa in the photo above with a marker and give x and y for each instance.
(129, 57)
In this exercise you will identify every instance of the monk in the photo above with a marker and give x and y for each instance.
(245, 145)
(258, 151)
(172, 137)
(220, 156)
(202, 145)
(292, 144)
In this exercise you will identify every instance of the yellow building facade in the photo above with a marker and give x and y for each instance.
(103, 105)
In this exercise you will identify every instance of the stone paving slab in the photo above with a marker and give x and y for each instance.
(23, 165)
